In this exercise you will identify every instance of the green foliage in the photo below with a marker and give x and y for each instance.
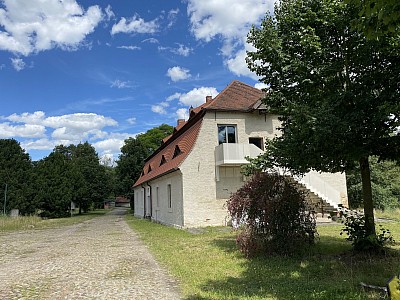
(16, 172)
(71, 174)
(275, 214)
(54, 186)
(152, 139)
(133, 155)
(377, 17)
(336, 92)
(385, 180)
(361, 239)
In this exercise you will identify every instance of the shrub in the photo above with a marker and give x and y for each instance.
(274, 214)
(360, 240)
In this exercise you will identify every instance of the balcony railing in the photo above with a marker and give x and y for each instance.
(234, 154)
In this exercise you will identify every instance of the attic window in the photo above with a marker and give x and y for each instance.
(177, 151)
(149, 169)
(163, 160)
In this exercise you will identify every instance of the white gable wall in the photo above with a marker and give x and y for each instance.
(160, 210)
(204, 197)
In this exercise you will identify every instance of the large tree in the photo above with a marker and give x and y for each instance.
(133, 154)
(337, 92)
(55, 185)
(15, 174)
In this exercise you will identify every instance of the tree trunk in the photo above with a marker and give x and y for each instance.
(367, 196)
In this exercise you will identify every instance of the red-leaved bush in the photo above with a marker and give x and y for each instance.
(274, 214)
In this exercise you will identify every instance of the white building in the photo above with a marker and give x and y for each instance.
(187, 181)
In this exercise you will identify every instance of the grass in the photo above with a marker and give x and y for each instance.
(209, 266)
(8, 224)
(393, 214)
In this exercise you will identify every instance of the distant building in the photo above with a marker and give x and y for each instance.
(122, 202)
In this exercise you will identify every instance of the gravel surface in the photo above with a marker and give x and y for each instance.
(97, 259)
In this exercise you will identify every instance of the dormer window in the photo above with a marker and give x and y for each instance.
(149, 169)
(177, 151)
(163, 160)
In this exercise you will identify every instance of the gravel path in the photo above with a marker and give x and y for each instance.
(98, 259)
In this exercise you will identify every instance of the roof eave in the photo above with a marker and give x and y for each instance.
(155, 177)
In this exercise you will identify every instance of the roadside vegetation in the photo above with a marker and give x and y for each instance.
(8, 224)
(209, 265)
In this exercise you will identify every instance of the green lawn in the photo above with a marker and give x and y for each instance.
(209, 266)
(33, 222)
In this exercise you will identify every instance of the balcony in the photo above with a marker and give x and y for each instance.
(234, 154)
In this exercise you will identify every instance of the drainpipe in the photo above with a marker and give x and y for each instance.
(151, 200)
(144, 201)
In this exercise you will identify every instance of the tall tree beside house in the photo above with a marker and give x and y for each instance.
(336, 91)
(133, 154)
(15, 173)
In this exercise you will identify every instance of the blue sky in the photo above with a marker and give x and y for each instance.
(102, 71)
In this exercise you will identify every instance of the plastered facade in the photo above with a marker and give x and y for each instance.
(198, 197)
(204, 198)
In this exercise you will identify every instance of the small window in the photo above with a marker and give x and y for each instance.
(163, 160)
(149, 169)
(177, 151)
(257, 141)
(157, 197)
(169, 195)
(226, 134)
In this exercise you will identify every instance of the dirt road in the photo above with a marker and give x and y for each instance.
(98, 259)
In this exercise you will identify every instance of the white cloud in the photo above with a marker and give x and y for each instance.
(121, 84)
(131, 121)
(39, 144)
(182, 113)
(212, 19)
(41, 132)
(261, 86)
(174, 96)
(18, 64)
(25, 131)
(182, 50)
(178, 73)
(195, 97)
(109, 13)
(172, 16)
(79, 121)
(238, 66)
(45, 24)
(151, 41)
(135, 25)
(159, 108)
(129, 47)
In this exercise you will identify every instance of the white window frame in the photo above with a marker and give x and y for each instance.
(226, 132)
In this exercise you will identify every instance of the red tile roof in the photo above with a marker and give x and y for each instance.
(237, 96)
(184, 140)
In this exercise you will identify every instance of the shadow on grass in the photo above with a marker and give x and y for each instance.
(328, 271)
